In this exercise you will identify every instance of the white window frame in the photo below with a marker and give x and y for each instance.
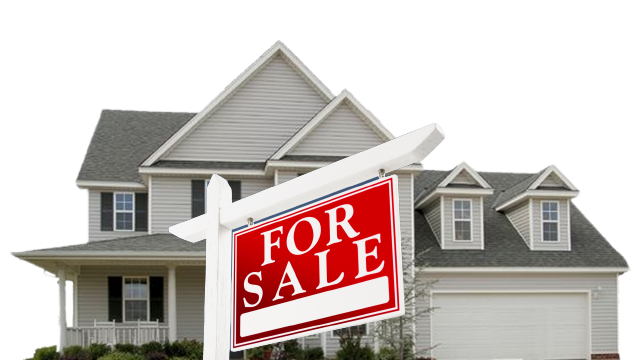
(543, 221)
(132, 211)
(366, 331)
(124, 297)
(470, 220)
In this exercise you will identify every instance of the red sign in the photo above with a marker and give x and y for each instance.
(329, 264)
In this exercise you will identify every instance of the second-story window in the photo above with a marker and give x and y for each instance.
(123, 204)
(462, 220)
(549, 221)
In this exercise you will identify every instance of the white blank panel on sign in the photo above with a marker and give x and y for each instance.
(335, 302)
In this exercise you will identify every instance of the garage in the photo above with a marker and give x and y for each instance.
(528, 326)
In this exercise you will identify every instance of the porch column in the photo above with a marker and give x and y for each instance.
(62, 294)
(323, 343)
(173, 325)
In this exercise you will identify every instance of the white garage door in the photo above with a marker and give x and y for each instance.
(510, 326)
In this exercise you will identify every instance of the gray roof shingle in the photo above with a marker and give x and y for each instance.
(503, 245)
(124, 139)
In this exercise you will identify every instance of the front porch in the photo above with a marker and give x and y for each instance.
(111, 335)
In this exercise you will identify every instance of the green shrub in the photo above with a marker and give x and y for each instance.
(46, 353)
(191, 349)
(127, 348)
(98, 350)
(387, 353)
(351, 349)
(156, 355)
(75, 352)
(153, 346)
(314, 353)
(116, 355)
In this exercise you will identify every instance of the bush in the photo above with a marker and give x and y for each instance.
(153, 346)
(75, 352)
(387, 353)
(117, 355)
(191, 349)
(156, 355)
(127, 348)
(46, 353)
(314, 353)
(351, 349)
(287, 350)
(98, 350)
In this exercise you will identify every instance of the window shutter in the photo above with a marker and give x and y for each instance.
(156, 304)
(142, 204)
(106, 211)
(236, 193)
(115, 298)
(197, 198)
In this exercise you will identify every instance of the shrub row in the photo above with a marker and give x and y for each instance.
(178, 350)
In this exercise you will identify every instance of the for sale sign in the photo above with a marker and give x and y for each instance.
(328, 264)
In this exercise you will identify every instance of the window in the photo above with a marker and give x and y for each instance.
(352, 330)
(123, 204)
(462, 220)
(549, 221)
(136, 299)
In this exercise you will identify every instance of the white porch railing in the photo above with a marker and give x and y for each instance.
(85, 336)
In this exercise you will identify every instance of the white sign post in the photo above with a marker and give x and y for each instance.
(222, 216)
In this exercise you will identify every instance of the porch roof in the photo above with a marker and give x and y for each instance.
(144, 250)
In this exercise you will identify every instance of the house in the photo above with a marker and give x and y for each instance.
(520, 272)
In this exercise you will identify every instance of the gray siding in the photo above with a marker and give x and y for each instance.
(284, 176)
(604, 307)
(464, 178)
(342, 133)
(93, 289)
(432, 214)
(171, 199)
(255, 121)
(94, 220)
(190, 298)
(476, 225)
(564, 242)
(519, 217)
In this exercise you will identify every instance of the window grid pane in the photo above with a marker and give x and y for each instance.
(550, 218)
(123, 204)
(463, 230)
(135, 299)
(550, 231)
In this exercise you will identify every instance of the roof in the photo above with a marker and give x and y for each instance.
(156, 243)
(124, 139)
(503, 245)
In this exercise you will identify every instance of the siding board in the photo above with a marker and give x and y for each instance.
(342, 133)
(255, 121)
(519, 217)
(432, 214)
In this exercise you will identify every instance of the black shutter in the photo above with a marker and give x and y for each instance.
(156, 305)
(106, 211)
(141, 211)
(236, 194)
(115, 298)
(197, 198)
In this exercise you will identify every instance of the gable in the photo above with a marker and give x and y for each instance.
(463, 178)
(552, 181)
(252, 123)
(342, 133)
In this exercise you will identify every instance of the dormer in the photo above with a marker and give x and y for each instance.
(539, 207)
(453, 205)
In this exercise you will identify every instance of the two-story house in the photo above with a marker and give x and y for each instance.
(521, 273)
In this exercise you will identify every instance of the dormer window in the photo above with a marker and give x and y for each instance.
(462, 220)
(549, 220)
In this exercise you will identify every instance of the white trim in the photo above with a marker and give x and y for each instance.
(277, 48)
(75, 301)
(132, 211)
(172, 307)
(530, 223)
(116, 255)
(276, 176)
(586, 292)
(369, 119)
(481, 223)
(306, 166)
(208, 172)
(452, 191)
(124, 297)
(569, 222)
(442, 242)
(480, 269)
(86, 184)
(542, 221)
(149, 208)
(546, 173)
(567, 194)
(453, 219)
(463, 166)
